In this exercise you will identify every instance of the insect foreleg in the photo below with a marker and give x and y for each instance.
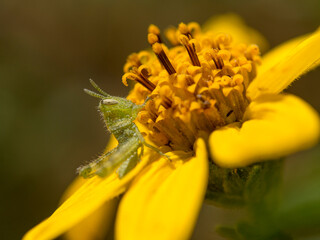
(148, 145)
(140, 107)
(156, 150)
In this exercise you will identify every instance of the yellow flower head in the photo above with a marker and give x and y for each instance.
(209, 85)
(197, 86)
(207, 81)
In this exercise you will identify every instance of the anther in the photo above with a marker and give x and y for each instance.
(144, 72)
(163, 58)
(194, 28)
(183, 28)
(222, 40)
(141, 78)
(189, 80)
(132, 61)
(191, 50)
(155, 30)
(152, 38)
(154, 41)
(166, 91)
(166, 102)
(218, 61)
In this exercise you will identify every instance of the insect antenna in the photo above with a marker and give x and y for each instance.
(93, 94)
(99, 89)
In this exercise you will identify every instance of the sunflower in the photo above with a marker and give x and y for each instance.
(214, 99)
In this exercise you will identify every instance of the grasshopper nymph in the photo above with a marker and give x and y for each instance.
(119, 114)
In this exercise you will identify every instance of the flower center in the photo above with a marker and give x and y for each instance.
(196, 86)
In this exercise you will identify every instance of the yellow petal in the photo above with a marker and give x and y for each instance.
(96, 225)
(234, 25)
(275, 126)
(163, 202)
(285, 64)
(268, 59)
(79, 181)
(85, 201)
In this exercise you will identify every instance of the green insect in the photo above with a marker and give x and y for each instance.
(119, 114)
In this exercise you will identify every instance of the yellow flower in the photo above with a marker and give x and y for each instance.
(211, 87)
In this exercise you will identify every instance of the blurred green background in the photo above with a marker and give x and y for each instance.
(49, 50)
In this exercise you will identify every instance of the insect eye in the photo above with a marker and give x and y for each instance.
(109, 102)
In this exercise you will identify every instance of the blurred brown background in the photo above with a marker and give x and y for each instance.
(49, 50)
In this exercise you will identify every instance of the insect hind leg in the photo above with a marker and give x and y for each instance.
(89, 170)
(128, 164)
